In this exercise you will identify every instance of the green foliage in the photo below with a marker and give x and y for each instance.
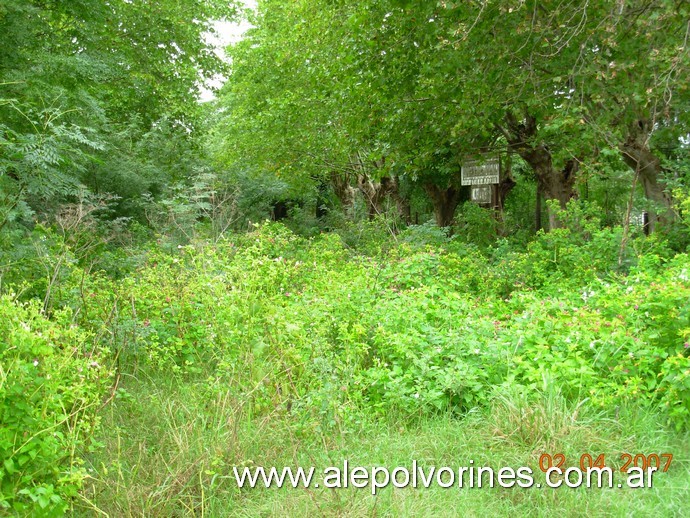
(330, 334)
(412, 328)
(255, 196)
(43, 161)
(477, 225)
(133, 233)
(324, 87)
(109, 101)
(52, 382)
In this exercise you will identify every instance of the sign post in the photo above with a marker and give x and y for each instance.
(483, 175)
(481, 172)
(482, 194)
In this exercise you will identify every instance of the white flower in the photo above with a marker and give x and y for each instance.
(35, 363)
(416, 396)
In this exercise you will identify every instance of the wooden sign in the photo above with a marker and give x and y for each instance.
(482, 194)
(481, 171)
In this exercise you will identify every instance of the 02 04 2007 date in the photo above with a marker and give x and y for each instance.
(660, 461)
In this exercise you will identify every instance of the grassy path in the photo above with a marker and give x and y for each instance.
(170, 452)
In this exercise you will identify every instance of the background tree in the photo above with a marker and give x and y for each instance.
(428, 84)
(84, 82)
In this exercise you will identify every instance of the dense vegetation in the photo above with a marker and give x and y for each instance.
(157, 330)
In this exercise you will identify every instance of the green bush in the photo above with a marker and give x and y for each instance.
(413, 328)
(420, 324)
(52, 383)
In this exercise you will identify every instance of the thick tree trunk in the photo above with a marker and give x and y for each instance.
(553, 183)
(401, 202)
(374, 193)
(638, 155)
(404, 209)
(445, 201)
(344, 192)
(557, 185)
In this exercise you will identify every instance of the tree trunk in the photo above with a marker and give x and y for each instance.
(445, 201)
(374, 193)
(401, 202)
(553, 183)
(345, 193)
(638, 156)
(557, 185)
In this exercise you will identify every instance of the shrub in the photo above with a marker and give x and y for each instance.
(52, 382)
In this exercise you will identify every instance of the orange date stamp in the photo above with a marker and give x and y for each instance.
(658, 462)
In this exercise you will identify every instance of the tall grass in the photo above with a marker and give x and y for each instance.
(170, 448)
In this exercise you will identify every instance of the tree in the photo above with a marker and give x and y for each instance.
(429, 84)
(84, 79)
